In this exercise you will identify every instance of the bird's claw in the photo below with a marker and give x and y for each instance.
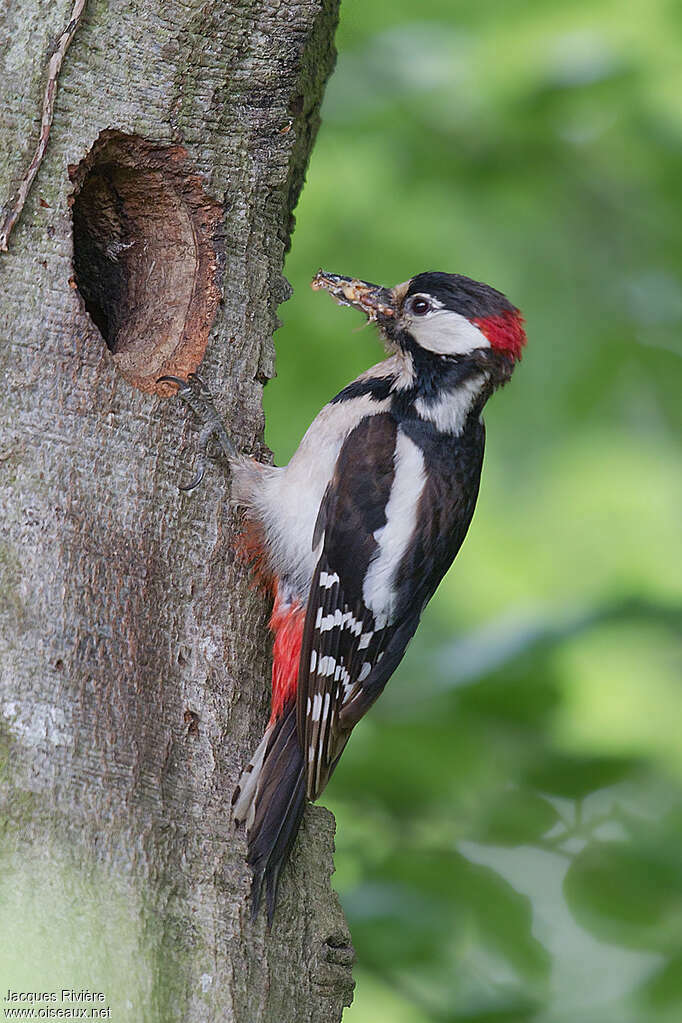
(194, 392)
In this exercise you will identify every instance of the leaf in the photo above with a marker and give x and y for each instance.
(442, 900)
(663, 991)
(396, 925)
(411, 765)
(626, 896)
(502, 916)
(574, 777)
(517, 817)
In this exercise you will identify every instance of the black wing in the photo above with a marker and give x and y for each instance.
(341, 641)
(349, 653)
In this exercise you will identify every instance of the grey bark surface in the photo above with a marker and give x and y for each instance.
(134, 654)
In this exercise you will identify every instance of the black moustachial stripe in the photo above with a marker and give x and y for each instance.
(378, 388)
(434, 377)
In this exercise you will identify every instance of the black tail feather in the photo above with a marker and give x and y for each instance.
(279, 805)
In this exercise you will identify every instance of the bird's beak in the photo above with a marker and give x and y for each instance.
(371, 299)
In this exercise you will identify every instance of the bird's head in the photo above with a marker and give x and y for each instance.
(438, 317)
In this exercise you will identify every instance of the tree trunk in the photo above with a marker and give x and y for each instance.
(134, 652)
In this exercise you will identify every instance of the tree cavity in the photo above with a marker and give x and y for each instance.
(146, 255)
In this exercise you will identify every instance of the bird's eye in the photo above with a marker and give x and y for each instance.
(420, 306)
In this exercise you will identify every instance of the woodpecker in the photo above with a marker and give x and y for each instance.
(354, 535)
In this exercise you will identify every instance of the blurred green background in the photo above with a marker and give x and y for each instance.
(509, 842)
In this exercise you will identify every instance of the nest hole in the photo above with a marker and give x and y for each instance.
(146, 255)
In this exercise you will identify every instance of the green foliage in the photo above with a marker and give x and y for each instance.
(627, 894)
(508, 823)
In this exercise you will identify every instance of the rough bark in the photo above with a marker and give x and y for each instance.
(134, 659)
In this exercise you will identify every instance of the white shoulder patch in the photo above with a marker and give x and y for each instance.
(393, 538)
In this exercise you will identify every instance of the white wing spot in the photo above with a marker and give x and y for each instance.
(329, 621)
(326, 667)
(313, 661)
(327, 580)
(365, 640)
(366, 668)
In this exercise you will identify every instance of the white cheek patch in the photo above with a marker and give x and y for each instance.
(446, 333)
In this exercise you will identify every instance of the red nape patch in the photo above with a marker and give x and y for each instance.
(505, 332)
(287, 624)
(250, 548)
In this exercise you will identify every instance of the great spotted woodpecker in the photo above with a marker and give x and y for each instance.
(357, 531)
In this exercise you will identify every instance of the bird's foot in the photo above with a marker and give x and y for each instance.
(194, 392)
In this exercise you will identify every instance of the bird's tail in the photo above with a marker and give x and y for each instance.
(270, 798)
